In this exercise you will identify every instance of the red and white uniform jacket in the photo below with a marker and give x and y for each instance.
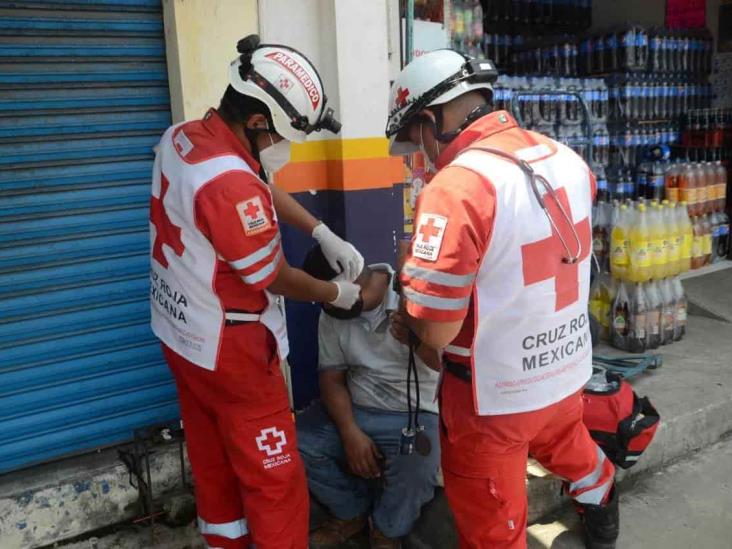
(484, 252)
(214, 240)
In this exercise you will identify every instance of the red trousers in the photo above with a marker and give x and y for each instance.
(484, 461)
(240, 436)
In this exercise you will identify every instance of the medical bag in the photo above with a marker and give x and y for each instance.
(622, 423)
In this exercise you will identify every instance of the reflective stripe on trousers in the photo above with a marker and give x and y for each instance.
(231, 530)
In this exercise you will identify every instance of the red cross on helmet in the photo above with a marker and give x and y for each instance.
(283, 79)
(432, 79)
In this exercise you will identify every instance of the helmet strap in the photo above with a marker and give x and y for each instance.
(252, 134)
(475, 114)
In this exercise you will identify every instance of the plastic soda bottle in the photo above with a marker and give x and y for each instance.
(620, 318)
(656, 233)
(669, 239)
(686, 234)
(706, 240)
(668, 311)
(697, 245)
(640, 258)
(681, 307)
(638, 320)
(675, 240)
(600, 240)
(723, 241)
(671, 182)
(599, 304)
(619, 244)
(687, 187)
(702, 191)
(721, 184)
(715, 220)
(653, 327)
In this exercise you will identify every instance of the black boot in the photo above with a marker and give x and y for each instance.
(601, 523)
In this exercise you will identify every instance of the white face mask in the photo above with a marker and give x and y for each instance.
(430, 165)
(274, 157)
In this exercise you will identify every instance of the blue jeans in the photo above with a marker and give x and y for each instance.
(408, 482)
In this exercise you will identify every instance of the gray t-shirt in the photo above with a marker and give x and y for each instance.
(376, 363)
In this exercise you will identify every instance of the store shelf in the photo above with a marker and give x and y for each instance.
(715, 267)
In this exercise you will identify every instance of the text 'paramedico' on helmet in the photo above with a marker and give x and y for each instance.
(432, 79)
(283, 79)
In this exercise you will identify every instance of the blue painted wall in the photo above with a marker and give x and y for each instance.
(373, 220)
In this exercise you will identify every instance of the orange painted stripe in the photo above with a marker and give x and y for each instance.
(350, 174)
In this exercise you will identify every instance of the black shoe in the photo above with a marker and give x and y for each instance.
(601, 523)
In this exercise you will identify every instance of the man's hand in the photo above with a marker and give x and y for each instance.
(399, 328)
(362, 454)
(341, 255)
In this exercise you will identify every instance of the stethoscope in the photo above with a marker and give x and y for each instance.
(533, 178)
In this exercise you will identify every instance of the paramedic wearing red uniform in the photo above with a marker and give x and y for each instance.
(217, 271)
(498, 277)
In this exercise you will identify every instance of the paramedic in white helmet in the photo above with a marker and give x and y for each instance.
(498, 279)
(217, 271)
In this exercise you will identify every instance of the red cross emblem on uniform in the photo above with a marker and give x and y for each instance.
(542, 260)
(401, 98)
(429, 230)
(251, 210)
(165, 231)
(271, 441)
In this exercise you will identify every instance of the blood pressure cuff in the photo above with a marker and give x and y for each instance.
(622, 423)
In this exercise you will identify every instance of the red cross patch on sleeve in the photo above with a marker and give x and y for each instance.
(253, 217)
(429, 235)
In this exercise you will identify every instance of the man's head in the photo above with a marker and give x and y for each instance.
(275, 94)
(374, 284)
(434, 98)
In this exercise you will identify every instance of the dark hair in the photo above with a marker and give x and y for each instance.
(317, 266)
(237, 107)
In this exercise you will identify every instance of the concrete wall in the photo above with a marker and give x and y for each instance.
(200, 38)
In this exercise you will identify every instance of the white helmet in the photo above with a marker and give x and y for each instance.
(432, 79)
(284, 80)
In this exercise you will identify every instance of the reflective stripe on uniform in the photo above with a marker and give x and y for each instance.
(256, 257)
(231, 530)
(436, 302)
(439, 277)
(459, 351)
(593, 477)
(595, 496)
(242, 317)
(264, 272)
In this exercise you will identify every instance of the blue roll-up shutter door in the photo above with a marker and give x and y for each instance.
(83, 99)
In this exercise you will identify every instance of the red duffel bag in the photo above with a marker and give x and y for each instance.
(622, 423)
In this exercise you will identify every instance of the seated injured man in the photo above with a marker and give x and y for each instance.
(351, 440)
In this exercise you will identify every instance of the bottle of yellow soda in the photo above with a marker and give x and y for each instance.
(656, 229)
(640, 257)
(620, 258)
(669, 239)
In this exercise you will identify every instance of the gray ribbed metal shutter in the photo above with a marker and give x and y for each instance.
(83, 99)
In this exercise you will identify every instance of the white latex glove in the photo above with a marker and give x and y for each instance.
(348, 294)
(341, 255)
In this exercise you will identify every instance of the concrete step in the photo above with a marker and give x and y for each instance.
(692, 392)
